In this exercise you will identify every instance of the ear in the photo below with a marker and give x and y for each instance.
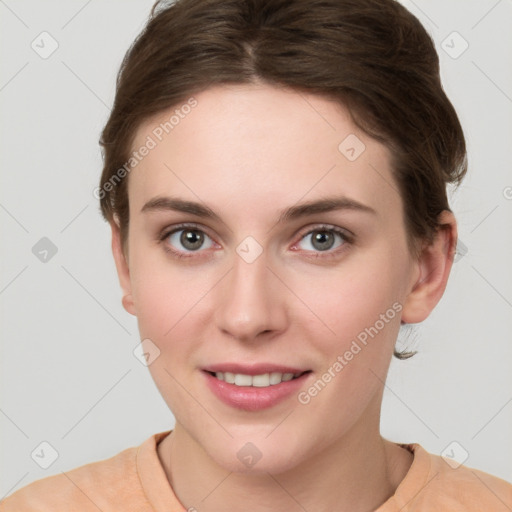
(123, 270)
(433, 265)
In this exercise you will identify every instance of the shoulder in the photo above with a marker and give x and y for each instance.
(471, 487)
(435, 483)
(92, 487)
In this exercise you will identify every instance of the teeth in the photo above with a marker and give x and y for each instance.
(243, 380)
(258, 381)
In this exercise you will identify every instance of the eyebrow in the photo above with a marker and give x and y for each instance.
(323, 205)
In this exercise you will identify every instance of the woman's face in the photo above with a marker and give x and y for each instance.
(255, 284)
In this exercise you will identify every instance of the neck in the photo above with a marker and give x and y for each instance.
(357, 473)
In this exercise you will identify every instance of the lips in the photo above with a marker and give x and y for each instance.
(254, 387)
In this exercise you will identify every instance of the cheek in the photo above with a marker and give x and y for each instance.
(173, 303)
(362, 308)
(155, 303)
(162, 292)
(352, 297)
(167, 299)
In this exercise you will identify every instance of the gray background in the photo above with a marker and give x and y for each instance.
(69, 376)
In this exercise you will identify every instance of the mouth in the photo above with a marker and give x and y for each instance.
(262, 380)
(254, 387)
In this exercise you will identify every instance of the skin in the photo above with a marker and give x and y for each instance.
(249, 152)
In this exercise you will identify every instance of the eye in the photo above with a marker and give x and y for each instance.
(186, 239)
(324, 238)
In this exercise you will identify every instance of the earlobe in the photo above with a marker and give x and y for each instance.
(128, 305)
(434, 265)
(123, 270)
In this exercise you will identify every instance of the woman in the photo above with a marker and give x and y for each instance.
(275, 179)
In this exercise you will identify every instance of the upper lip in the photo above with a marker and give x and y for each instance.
(253, 369)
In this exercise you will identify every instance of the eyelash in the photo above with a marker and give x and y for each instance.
(348, 240)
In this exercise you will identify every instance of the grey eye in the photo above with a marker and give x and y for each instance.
(323, 240)
(190, 239)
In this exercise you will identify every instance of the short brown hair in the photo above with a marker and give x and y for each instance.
(372, 56)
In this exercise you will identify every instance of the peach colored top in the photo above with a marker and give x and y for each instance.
(134, 480)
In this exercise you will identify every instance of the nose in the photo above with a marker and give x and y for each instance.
(251, 301)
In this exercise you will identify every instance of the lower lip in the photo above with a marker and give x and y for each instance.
(251, 398)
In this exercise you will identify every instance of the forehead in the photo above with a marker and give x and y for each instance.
(259, 146)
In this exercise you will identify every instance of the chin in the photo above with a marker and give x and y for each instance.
(258, 454)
